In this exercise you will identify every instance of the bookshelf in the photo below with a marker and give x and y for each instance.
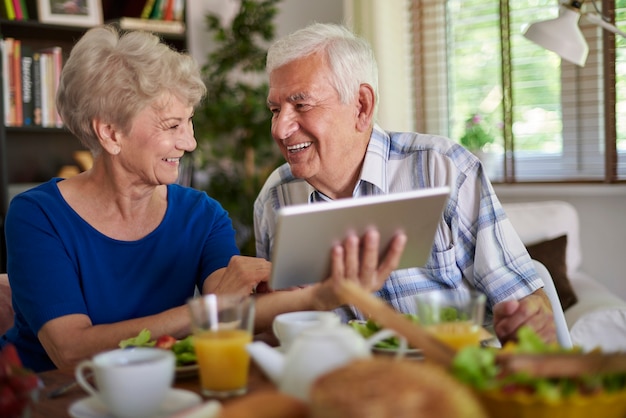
(30, 154)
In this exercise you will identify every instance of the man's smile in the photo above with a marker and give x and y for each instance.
(298, 147)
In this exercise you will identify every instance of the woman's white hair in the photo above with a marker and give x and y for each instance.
(350, 57)
(111, 75)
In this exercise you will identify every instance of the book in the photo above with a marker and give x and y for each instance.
(179, 10)
(8, 73)
(152, 25)
(47, 120)
(147, 9)
(53, 75)
(8, 12)
(36, 76)
(6, 79)
(157, 10)
(168, 10)
(17, 81)
(24, 8)
(57, 56)
(27, 85)
(17, 7)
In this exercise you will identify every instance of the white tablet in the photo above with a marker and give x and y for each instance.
(306, 233)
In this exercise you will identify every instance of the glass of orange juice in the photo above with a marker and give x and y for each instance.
(222, 325)
(453, 316)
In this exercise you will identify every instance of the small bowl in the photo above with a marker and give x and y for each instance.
(187, 371)
(525, 405)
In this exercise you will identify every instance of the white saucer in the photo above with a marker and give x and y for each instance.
(175, 400)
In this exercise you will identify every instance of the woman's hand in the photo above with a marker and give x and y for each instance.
(357, 260)
(242, 275)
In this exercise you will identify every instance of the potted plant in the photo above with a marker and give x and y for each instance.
(478, 133)
(479, 138)
(235, 150)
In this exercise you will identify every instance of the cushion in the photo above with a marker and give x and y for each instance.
(602, 328)
(540, 221)
(551, 253)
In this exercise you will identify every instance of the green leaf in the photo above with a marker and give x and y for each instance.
(449, 314)
(184, 345)
(476, 366)
(141, 340)
(186, 358)
(530, 342)
(372, 325)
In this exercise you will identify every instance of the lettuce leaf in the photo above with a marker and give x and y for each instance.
(141, 340)
(476, 367)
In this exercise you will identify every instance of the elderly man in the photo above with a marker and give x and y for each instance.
(323, 98)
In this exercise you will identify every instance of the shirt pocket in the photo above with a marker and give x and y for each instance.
(442, 268)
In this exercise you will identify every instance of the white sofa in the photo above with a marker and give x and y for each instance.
(598, 319)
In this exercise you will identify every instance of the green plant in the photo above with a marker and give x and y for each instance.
(235, 148)
(478, 133)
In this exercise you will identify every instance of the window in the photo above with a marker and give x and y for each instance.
(549, 119)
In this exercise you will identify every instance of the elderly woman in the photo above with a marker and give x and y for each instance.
(95, 258)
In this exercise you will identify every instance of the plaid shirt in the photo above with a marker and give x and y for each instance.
(475, 244)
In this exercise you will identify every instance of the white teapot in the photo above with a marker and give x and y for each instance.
(315, 351)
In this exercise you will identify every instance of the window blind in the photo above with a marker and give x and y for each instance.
(469, 58)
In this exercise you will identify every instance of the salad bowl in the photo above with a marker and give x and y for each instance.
(544, 380)
(525, 405)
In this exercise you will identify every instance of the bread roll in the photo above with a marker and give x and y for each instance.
(265, 404)
(382, 387)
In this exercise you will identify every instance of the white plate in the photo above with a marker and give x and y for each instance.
(386, 350)
(412, 353)
(175, 401)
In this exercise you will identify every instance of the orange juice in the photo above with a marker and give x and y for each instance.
(223, 359)
(457, 334)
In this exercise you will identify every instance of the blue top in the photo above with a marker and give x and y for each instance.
(59, 265)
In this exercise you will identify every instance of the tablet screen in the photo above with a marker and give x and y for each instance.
(306, 233)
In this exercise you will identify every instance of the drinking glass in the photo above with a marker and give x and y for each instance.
(455, 318)
(222, 325)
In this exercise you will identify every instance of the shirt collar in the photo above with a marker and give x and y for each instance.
(374, 171)
(373, 179)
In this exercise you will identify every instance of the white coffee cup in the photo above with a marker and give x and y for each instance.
(288, 325)
(131, 383)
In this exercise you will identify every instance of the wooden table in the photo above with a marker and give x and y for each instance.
(58, 407)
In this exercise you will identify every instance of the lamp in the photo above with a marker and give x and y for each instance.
(562, 34)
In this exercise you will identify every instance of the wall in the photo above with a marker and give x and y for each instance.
(367, 17)
(293, 14)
